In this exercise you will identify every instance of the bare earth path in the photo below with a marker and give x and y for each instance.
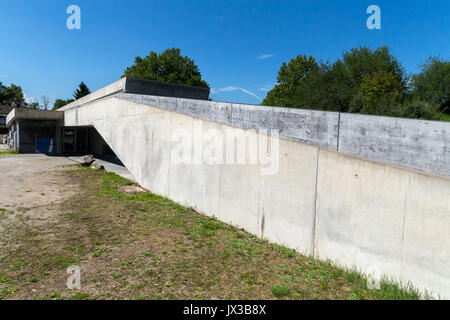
(34, 185)
(54, 214)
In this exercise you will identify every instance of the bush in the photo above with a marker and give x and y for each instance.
(417, 110)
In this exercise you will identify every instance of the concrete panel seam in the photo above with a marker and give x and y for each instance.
(220, 189)
(231, 114)
(170, 158)
(407, 180)
(338, 132)
(313, 234)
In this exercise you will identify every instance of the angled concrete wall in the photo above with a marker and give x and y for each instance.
(383, 219)
(312, 127)
(418, 144)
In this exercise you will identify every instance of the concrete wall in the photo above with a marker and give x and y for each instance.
(317, 128)
(423, 145)
(118, 86)
(383, 219)
(142, 86)
(34, 114)
(417, 144)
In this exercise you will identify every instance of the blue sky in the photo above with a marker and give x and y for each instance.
(238, 45)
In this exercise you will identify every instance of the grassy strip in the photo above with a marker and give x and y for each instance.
(8, 152)
(143, 246)
(445, 117)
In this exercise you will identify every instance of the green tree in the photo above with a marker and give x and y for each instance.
(82, 91)
(378, 93)
(59, 103)
(304, 83)
(432, 84)
(11, 96)
(168, 66)
(357, 66)
(292, 76)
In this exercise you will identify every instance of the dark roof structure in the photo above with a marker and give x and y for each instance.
(5, 109)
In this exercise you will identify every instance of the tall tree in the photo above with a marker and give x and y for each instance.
(358, 65)
(291, 76)
(59, 103)
(11, 96)
(169, 66)
(82, 91)
(432, 84)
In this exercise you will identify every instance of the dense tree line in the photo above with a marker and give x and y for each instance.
(363, 81)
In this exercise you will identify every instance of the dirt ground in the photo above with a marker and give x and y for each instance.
(55, 214)
(34, 185)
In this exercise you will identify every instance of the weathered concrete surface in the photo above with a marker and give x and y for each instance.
(360, 214)
(418, 144)
(288, 198)
(140, 87)
(33, 114)
(426, 251)
(308, 126)
(385, 220)
(118, 86)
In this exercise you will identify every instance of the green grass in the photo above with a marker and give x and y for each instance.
(143, 246)
(8, 152)
(445, 117)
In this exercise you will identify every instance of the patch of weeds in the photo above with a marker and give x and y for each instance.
(80, 296)
(169, 295)
(250, 277)
(98, 252)
(390, 290)
(280, 290)
(55, 296)
(225, 255)
(282, 249)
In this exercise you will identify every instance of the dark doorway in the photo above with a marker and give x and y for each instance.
(82, 140)
(69, 140)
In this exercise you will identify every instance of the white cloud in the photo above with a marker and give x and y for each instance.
(231, 88)
(3, 76)
(28, 100)
(264, 56)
